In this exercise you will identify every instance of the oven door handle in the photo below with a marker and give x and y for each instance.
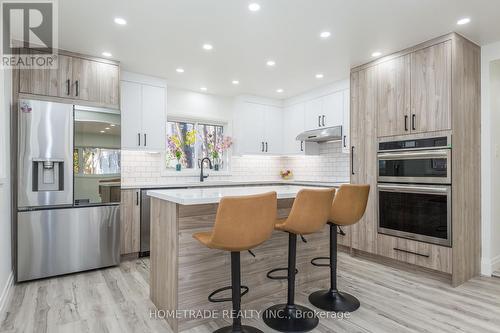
(414, 189)
(415, 155)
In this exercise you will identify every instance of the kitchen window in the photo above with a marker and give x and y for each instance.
(190, 141)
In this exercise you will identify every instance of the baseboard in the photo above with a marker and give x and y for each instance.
(4, 296)
(486, 267)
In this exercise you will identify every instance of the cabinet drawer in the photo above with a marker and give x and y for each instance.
(417, 253)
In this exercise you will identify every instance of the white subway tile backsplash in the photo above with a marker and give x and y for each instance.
(141, 168)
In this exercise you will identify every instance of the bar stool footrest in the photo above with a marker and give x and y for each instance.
(282, 277)
(314, 263)
(227, 299)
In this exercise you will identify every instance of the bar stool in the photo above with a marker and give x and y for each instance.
(241, 224)
(348, 208)
(308, 215)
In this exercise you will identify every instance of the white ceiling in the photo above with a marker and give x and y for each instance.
(162, 35)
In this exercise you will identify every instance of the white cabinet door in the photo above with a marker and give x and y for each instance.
(249, 128)
(273, 121)
(333, 109)
(313, 112)
(154, 115)
(293, 125)
(346, 122)
(131, 115)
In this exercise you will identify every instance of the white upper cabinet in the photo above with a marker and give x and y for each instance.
(273, 119)
(293, 125)
(131, 96)
(258, 128)
(154, 117)
(333, 110)
(313, 113)
(144, 113)
(326, 111)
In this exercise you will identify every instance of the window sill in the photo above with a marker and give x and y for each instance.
(190, 173)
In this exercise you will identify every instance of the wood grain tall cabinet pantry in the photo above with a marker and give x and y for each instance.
(428, 90)
(130, 233)
(78, 79)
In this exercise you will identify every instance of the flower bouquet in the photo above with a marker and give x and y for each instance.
(286, 174)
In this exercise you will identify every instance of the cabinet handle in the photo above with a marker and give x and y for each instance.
(68, 87)
(145, 140)
(266, 147)
(262, 146)
(352, 160)
(137, 198)
(411, 252)
(139, 137)
(413, 118)
(301, 145)
(77, 88)
(406, 123)
(319, 121)
(323, 120)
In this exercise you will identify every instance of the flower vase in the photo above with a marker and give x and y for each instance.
(178, 167)
(216, 167)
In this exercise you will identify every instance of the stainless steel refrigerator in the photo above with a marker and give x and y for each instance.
(65, 155)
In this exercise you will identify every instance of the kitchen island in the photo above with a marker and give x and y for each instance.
(184, 272)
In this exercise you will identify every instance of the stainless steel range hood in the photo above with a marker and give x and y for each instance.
(321, 134)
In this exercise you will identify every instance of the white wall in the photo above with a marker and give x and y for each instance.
(193, 105)
(490, 158)
(5, 211)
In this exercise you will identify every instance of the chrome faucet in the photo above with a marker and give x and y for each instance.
(202, 177)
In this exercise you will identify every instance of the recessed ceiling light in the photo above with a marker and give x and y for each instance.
(112, 125)
(120, 21)
(107, 54)
(203, 88)
(279, 91)
(107, 128)
(102, 131)
(180, 70)
(236, 82)
(376, 54)
(254, 7)
(271, 63)
(325, 34)
(319, 76)
(463, 21)
(208, 47)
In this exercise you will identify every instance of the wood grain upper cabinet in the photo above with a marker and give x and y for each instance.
(394, 96)
(75, 78)
(96, 82)
(48, 82)
(431, 88)
(130, 216)
(364, 102)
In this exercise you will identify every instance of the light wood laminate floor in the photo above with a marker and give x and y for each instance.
(392, 300)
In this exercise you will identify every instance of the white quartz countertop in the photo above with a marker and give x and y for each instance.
(198, 196)
(220, 183)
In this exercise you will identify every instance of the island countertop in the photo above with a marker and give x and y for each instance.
(198, 196)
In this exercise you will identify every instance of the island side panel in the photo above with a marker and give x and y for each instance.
(202, 270)
(164, 257)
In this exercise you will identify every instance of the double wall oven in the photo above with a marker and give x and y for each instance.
(414, 189)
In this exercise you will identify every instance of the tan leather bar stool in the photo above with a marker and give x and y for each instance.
(308, 215)
(348, 208)
(241, 224)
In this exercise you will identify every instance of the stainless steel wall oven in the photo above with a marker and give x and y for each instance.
(414, 189)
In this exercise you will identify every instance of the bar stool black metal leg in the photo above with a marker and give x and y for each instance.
(236, 299)
(291, 317)
(334, 300)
